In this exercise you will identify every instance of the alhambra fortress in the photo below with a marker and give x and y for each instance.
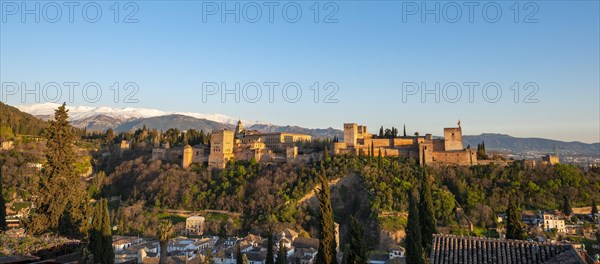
(282, 147)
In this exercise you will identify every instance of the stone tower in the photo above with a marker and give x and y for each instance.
(188, 153)
(453, 139)
(350, 134)
(239, 129)
(221, 148)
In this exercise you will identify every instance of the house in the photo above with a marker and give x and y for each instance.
(194, 225)
(551, 221)
(461, 249)
(121, 243)
(7, 145)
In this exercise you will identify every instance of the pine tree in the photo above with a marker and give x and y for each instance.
(357, 248)
(282, 254)
(100, 235)
(3, 226)
(426, 212)
(327, 243)
(414, 250)
(165, 229)
(514, 227)
(61, 198)
(270, 256)
(566, 208)
(594, 208)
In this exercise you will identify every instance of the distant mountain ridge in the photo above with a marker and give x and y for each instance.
(505, 142)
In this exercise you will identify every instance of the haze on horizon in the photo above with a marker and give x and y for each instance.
(372, 54)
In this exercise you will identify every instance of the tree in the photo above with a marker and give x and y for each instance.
(165, 229)
(356, 251)
(381, 132)
(405, 130)
(245, 260)
(414, 250)
(426, 212)
(514, 227)
(239, 257)
(566, 206)
(208, 257)
(327, 243)
(594, 208)
(282, 254)
(100, 235)
(3, 226)
(61, 198)
(270, 257)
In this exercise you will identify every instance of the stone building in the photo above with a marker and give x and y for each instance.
(424, 149)
(221, 148)
(7, 145)
(194, 225)
(550, 159)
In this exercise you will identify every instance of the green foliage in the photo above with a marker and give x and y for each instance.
(14, 122)
(426, 212)
(282, 254)
(270, 256)
(3, 226)
(61, 198)
(100, 243)
(414, 250)
(514, 226)
(357, 247)
(566, 206)
(327, 243)
(165, 230)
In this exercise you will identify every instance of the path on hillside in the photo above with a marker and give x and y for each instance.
(348, 180)
(187, 213)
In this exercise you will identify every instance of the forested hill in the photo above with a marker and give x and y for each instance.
(13, 121)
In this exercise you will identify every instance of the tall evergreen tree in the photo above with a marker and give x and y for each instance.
(514, 226)
(357, 248)
(165, 229)
(270, 256)
(208, 257)
(426, 212)
(381, 132)
(100, 235)
(594, 208)
(282, 254)
(239, 257)
(414, 250)
(566, 207)
(3, 226)
(60, 198)
(327, 243)
(404, 130)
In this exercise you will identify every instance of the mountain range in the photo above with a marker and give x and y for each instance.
(128, 119)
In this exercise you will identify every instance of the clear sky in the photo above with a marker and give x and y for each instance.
(372, 51)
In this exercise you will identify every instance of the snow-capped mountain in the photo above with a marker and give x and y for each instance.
(83, 114)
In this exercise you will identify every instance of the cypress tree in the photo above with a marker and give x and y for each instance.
(100, 243)
(566, 208)
(61, 198)
(270, 257)
(3, 226)
(381, 132)
(594, 208)
(357, 248)
(327, 243)
(426, 212)
(405, 130)
(414, 250)
(282, 254)
(514, 227)
(239, 258)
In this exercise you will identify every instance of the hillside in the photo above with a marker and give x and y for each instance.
(181, 122)
(13, 121)
(519, 145)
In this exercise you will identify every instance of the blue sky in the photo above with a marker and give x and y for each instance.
(370, 53)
